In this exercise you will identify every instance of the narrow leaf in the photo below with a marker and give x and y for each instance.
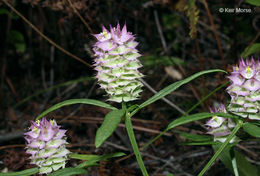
(187, 119)
(26, 172)
(109, 125)
(96, 158)
(194, 117)
(198, 143)
(86, 164)
(252, 129)
(167, 90)
(75, 101)
(253, 2)
(255, 48)
(234, 161)
(195, 137)
(131, 135)
(245, 168)
(69, 171)
(93, 159)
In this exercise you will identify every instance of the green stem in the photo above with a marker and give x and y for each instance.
(221, 148)
(130, 132)
(234, 161)
(154, 139)
(207, 96)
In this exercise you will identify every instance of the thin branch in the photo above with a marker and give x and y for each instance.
(81, 18)
(164, 99)
(215, 33)
(160, 30)
(44, 36)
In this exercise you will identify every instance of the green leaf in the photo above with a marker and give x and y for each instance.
(187, 119)
(253, 2)
(93, 159)
(170, 174)
(17, 39)
(96, 158)
(131, 135)
(199, 116)
(167, 90)
(4, 11)
(69, 171)
(75, 101)
(195, 137)
(234, 161)
(255, 48)
(252, 129)
(86, 164)
(109, 125)
(198, 143)
(244, 167)
(26, 172)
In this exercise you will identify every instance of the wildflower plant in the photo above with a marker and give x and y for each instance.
(117, 64)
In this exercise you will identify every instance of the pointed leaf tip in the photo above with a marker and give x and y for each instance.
(111, 121)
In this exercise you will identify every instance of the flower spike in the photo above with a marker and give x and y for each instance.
(46, 143)
(117, 64)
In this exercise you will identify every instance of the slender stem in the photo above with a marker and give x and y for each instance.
(207, 96)
(154, 139)
(221, 148)
(130, 132)
(234, 161)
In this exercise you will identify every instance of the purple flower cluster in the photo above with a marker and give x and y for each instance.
(220, 127)
(46, 143)
(117, 64)
(245, 89)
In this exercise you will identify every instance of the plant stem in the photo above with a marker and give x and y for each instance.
(130, 132)
(221, 148)
(207, 96)
(234, 161)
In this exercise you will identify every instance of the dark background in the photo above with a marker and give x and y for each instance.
(32, 68)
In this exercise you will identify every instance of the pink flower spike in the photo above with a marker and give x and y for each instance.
(44, 141)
